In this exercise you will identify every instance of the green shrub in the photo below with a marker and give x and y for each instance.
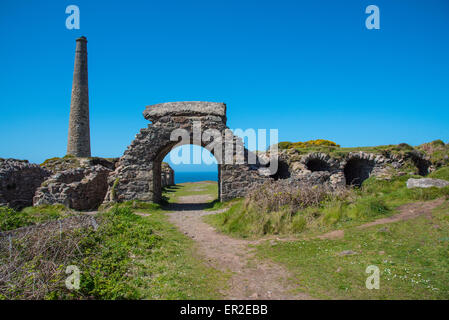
(119, 210)
(11, 219)
(438, 142)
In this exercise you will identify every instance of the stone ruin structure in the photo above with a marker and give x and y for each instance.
(349, 170)
(138, 173)
(19, 181)
(79, 189)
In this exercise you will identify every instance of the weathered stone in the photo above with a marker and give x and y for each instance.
(186, 109)
(19, 181)
(426, 183)
(167, 175)
(79, 189)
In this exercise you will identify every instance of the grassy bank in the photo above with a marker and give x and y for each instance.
(412, 257)
(129, 256)
(145, 257)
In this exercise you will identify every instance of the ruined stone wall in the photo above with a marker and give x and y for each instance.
(19, 181)
(79, 189)
(350, 169)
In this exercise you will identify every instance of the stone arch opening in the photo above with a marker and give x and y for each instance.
(183, 160)
(357, 170)
(315, 164)
(421, 164)
(138, 172)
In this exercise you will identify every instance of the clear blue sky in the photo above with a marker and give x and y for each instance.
(309, 68)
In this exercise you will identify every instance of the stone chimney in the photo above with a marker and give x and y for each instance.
(79, 132)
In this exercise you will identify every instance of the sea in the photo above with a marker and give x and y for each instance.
(183, 176)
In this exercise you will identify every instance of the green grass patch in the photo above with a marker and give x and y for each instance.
(412, 257)
(442, 173)
(173, 193)
(11, 219)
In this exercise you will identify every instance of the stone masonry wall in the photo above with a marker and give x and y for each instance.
(79, 189)
(19, 181)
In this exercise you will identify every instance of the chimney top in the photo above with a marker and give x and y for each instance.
(82, 38)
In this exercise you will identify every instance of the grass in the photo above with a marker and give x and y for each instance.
(11, 219)
(412, 257)
(173, 193)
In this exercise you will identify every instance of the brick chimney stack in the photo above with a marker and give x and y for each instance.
(79, 132)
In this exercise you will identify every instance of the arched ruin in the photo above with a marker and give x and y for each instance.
(422, 164)
(316, 164)
(138, 174)
(358, 170)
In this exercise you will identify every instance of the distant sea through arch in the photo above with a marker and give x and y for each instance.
(194, 176)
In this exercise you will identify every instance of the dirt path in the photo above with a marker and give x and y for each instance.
(250, 279)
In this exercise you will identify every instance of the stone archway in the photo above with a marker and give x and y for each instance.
(138, 174)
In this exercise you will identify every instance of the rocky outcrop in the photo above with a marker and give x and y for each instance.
(79, 188)
(426, 183)
(19, 180)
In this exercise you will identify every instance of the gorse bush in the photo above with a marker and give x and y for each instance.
(306, 144)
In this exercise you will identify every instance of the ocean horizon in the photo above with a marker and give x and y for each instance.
(195, 176)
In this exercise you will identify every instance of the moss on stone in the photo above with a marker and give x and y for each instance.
(116, 182)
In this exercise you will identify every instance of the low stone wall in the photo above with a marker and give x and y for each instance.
(19, 181)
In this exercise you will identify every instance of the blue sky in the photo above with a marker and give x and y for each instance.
(308, 68)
